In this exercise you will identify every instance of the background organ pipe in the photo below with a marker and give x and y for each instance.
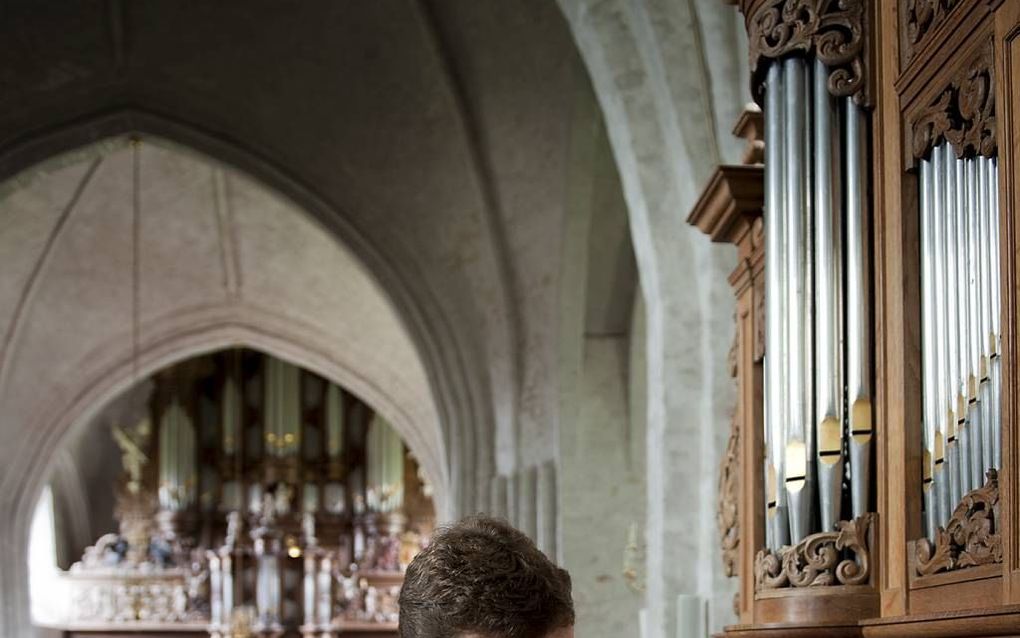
(858, 318)
(996, 316)
(963, 418)
(974, 346)
(828, 249)
(948, 197)
(799, 456)
(984, 272)
(941, 477)
(928, 348)
(777, 525)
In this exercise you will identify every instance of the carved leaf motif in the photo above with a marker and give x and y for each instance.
(922, 16)
(841, 557)
(833, 30)
(963, 113)
(970, 538)
(727, 512)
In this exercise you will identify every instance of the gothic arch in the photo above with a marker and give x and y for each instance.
(668, 113)
(107, 367)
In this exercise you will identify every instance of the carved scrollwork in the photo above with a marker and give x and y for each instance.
(922, 16)
(963, 114)
(971, 538)
(832, 30)
(841, 557)
(727, 513)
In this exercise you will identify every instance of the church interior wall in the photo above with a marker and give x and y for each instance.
(442, 153)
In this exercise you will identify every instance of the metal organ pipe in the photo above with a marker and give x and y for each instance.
(799, 452)
(963, 417)
(828, 421)
(776, 522)
(974, 338)
(952, 464)
(960, 313)
(938, 256)
(818, 408)
(858, 317)
(996, 315)
(985, 387)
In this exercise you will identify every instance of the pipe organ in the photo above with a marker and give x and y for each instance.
(275, 503)
(817, 386)
(869, 488)
(960, 308)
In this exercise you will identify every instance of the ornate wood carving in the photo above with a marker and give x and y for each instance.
(922, 16)
(758, 231)
(832, 30)
(971, 538)
(842, 557)
(963, 114)
(727, 507)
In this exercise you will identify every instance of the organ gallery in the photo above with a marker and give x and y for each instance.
(870, 484)
(256, 498)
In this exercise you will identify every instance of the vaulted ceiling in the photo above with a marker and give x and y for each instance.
(432, 138)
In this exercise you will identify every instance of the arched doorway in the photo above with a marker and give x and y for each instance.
(131, 254)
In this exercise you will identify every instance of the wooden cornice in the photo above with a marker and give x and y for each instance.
(730, 203)
(751, 128)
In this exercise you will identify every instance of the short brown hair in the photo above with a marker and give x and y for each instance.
(482, 576)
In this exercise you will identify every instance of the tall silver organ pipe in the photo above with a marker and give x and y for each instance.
(995, 366)
(776, 523)
(818, 362)
(960, 327)
(950, 239)
(858, 317)
(974, 338)
(938, 256)
(963, 417)
(828, 291)
(799, 450)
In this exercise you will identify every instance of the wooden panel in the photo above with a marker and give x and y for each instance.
(897, 334)
(1007, 37)
(964, 594)
(844, 605)
(793, 631)
(1000, 622)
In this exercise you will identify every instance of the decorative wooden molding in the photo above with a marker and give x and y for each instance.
(923, 16)
(730, 203)
(832, 30)
(728, 506)
(750, 127)
(971, 538)
(963, 113)
(816, 560)
(758, 234)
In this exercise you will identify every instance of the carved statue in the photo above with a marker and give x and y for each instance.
(308, 528)
(282, 498)
(233, 529)
(133, 458)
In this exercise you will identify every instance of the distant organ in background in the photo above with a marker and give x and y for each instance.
(257, 499)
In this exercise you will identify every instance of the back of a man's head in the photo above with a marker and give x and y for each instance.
(481, 577)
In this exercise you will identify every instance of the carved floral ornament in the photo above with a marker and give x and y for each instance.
(971, 538)
(831, 30)
(963, 113)
(727, 512)
(842, 557)
(922, 16)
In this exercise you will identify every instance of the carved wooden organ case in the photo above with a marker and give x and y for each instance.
(870, 485)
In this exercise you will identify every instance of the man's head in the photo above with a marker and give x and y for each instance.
(481, 578)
